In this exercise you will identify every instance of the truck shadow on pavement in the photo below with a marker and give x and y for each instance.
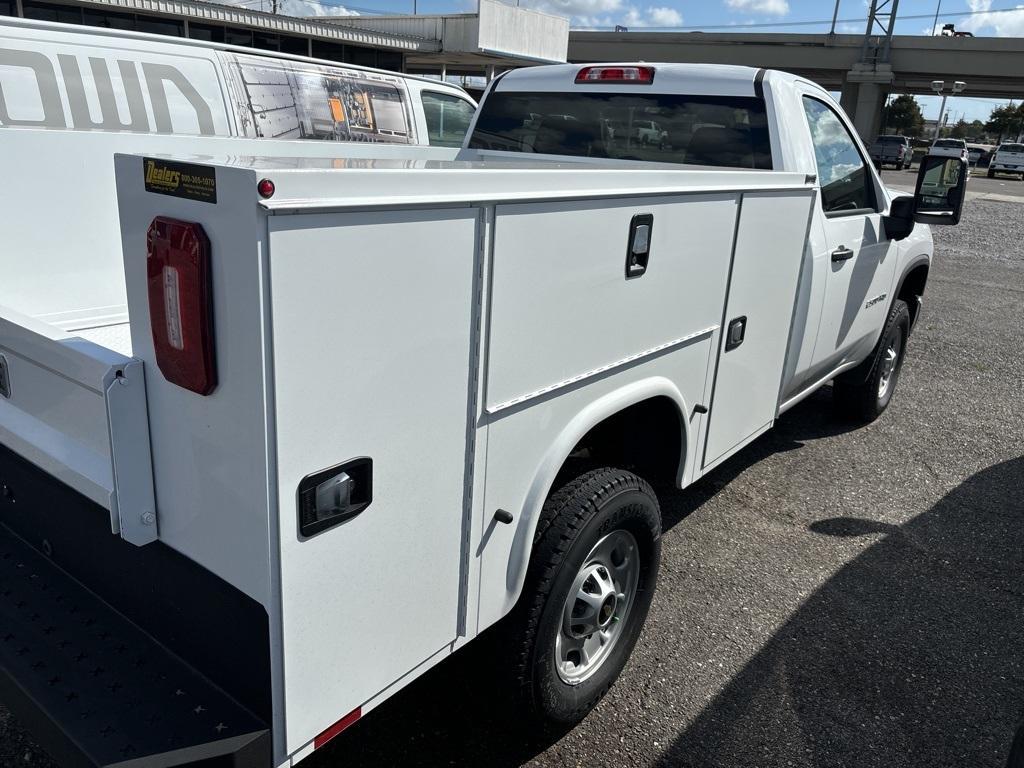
(912, 654)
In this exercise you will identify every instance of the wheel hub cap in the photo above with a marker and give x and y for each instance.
(594, 614)
(890, 358)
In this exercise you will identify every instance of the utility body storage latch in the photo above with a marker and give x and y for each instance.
(334, 495)
(736, 333)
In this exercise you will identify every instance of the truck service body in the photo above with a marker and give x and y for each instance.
(334, 431)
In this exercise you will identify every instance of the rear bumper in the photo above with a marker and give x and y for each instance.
(93, 686)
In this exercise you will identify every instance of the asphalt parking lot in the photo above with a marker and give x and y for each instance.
(832, 596)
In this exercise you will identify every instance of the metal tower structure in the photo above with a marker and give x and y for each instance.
(878, 35)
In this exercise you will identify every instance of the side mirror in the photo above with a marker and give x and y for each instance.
(941, 186)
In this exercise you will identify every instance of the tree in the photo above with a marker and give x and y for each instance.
(960, 129)
(1006, 121)
(904, 116)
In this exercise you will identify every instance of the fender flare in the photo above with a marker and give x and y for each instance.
(920, 260)
(540, 486)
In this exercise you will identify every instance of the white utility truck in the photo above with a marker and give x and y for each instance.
(359, 410)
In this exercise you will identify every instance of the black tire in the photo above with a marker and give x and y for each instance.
(992, 174)
(858, 393)
(575, 518)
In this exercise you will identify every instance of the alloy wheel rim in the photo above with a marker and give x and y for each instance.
(890, 360)
(596, 611)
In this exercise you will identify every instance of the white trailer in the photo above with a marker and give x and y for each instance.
(361, 410)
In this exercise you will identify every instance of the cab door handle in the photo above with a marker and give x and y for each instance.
(842, 253)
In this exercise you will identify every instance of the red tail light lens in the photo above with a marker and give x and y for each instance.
(181, 303)
(621, 75)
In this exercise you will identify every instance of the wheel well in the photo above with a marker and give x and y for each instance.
(912, 288)
(647, 438)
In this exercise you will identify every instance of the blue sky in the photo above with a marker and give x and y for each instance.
(1002, 18)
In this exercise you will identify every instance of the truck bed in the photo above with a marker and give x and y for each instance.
(73, 402)
(116, 337)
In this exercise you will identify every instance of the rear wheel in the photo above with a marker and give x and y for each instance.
(588, 588)
(992, 174)
(866, 391)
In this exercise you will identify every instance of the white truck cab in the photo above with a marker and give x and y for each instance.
(739, 117)
(357, 409)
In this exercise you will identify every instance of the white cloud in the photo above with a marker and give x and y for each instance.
(770, 7)
(298, 8)
(1005, 24)
(665, 17)
(608, 13)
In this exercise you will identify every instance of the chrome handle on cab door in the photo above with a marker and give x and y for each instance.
(842, 253)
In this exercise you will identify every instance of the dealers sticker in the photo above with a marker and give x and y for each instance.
(187, 180)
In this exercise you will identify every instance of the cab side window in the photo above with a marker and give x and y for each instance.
(448, 118)
(845, 181)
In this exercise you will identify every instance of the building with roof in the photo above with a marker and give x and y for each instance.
(496, 37)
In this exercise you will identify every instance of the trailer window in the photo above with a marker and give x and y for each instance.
(846, 185)
(667, 128)
(447, 117)
(292, 100)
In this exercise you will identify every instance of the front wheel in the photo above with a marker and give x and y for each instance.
(587, 592)
(992, 175)
(866, 391)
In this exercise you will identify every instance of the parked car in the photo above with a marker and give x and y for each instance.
(949, 148)
(1008, 158)
(891, 150)
(649, 132)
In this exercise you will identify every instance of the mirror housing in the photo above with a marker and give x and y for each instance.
(899, 223)
(940, 191)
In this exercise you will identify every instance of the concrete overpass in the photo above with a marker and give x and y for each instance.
(991, 66)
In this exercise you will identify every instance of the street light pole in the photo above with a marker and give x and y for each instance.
(938, 7)
(938, 86)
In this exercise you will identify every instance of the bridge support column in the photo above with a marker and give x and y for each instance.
(863, 97)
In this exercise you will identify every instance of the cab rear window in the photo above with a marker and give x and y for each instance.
(1011, 148)
(668, 128)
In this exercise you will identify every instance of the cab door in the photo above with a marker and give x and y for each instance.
(860, 260)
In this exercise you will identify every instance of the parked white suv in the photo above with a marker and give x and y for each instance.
(1009, 158)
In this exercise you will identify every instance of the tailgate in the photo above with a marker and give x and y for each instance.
(77, 410)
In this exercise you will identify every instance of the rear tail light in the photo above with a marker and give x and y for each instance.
(181, 303)
(621, 75)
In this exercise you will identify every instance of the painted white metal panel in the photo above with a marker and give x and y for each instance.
(372, 357)
(527, 445)
(507, 30)
(56, 415)
(562, 308)
(763, 287)
(78, 411)
(210, 454)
